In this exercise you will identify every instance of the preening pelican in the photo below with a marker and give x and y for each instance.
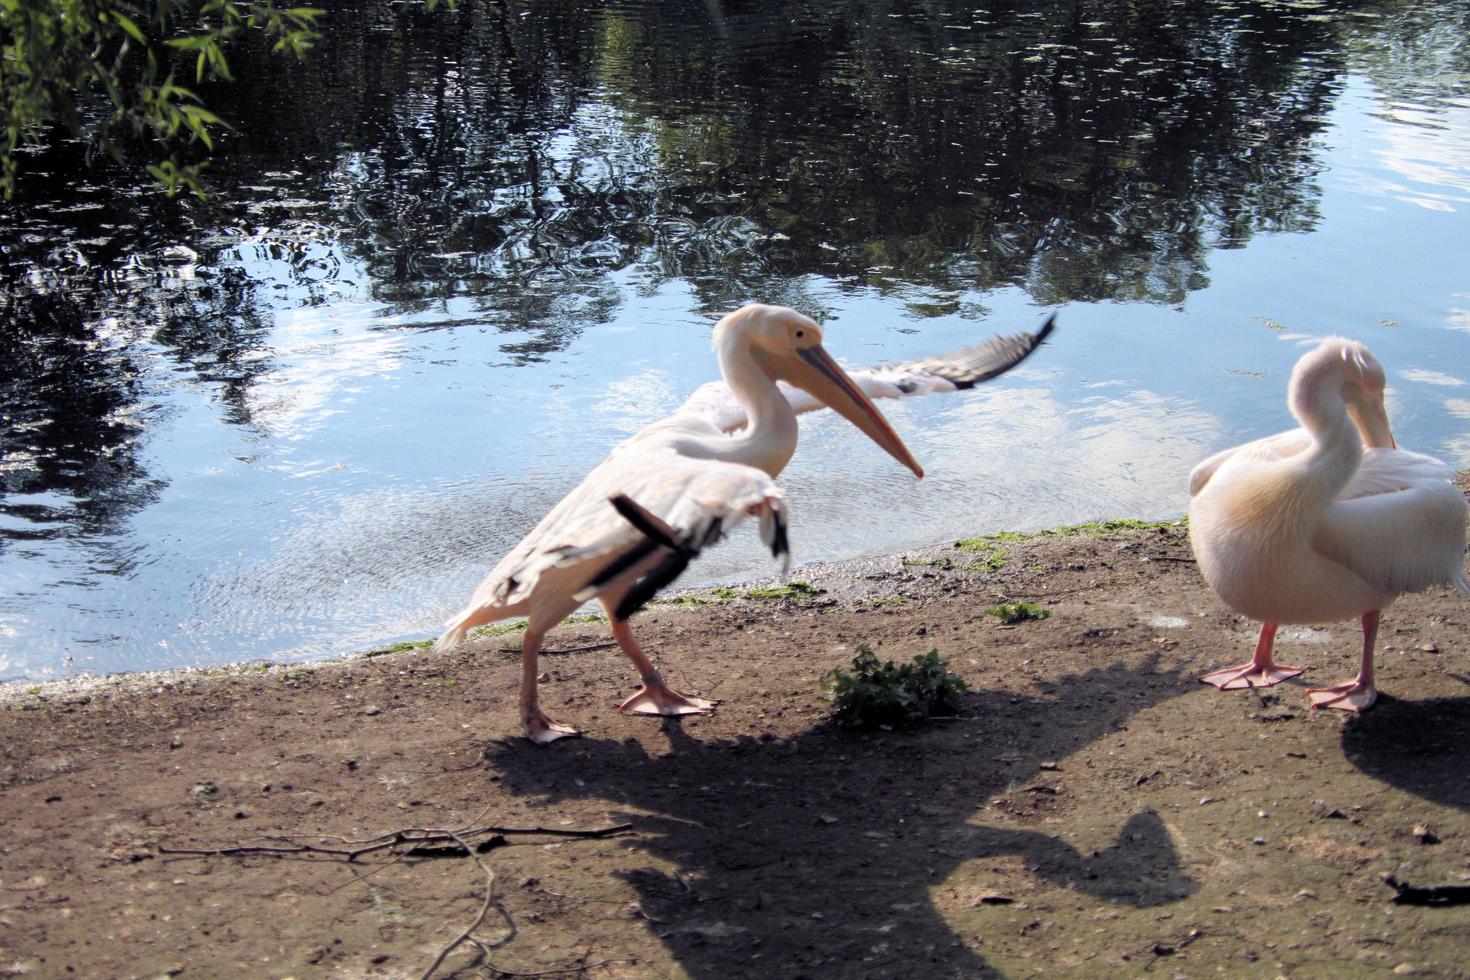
(637, 519)
(1327, 522)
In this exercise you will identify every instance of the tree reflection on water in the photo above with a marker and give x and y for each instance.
(523, 167)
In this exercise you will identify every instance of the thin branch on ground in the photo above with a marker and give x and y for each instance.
(1007, 596)
(415, 839)
(468, 935)
(563, 650)
(555, 972)
(425, 843)
(362, 878)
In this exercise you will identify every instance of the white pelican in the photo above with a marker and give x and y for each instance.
(635, 521)
(1327, 522)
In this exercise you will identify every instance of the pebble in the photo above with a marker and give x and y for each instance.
(372, 709)
(1429, 648)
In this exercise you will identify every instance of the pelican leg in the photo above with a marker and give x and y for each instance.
(539, 728)
(1261, 671)
(655, 697)
(1359, 693)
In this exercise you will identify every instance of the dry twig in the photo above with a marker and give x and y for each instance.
(416, 842)
(416, 839)
(468, 935)
(563, 650)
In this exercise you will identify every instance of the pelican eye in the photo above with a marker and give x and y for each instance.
(801, 333)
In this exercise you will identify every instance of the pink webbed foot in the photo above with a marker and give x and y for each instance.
(542, 730)
(1352, 696)
(1251, 674)
(660, 699)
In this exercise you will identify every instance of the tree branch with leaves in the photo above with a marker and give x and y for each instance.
(117, 74)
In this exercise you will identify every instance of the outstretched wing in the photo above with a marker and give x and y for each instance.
(956, 371)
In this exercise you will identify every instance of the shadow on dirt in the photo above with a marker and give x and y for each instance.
(815, 855)
(1415, 746)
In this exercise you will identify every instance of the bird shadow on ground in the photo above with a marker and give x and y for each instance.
(1415, 746)
(819, 854)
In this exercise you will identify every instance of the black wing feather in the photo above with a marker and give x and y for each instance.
(969, 366)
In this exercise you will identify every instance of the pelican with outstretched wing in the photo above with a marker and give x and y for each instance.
(672, 489)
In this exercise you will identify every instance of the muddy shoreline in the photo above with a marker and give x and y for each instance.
(1093, 808)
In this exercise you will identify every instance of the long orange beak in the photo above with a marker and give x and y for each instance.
(814, 370)
(1372, 422)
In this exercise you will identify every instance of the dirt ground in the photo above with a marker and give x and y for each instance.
(1093, 809)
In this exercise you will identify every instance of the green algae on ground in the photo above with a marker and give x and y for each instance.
(988, 542)
(722, 594)
(795, 589)
(992, 561)
(399, 647)
(1017, 612)
(518, 625)
(717, 596)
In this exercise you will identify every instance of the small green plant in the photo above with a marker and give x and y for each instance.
(899, 696)
(1018, 612)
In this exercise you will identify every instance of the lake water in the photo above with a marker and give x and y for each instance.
(455, 257)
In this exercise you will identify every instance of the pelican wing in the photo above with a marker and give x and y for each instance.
(1400, 523)
(958, 370)
(584, 533)
(1269, 449)
(1387, 470)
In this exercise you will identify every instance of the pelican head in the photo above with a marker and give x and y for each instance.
(787, 346)
(1347, 368)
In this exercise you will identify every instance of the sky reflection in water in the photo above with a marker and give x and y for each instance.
(309, 418)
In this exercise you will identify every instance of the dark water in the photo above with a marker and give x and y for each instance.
(454, 257)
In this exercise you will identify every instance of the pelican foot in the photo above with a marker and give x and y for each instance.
(1352, 696)
(660, 699)
(1251, 674)
(542, 730)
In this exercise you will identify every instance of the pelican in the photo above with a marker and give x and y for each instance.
(1326, 522)
(637, 519)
